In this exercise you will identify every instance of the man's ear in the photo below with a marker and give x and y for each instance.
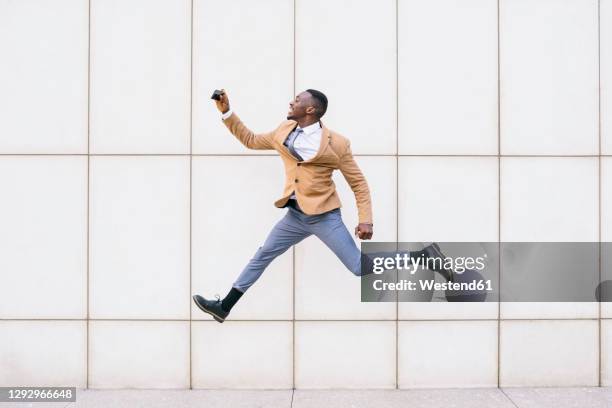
(310, 110)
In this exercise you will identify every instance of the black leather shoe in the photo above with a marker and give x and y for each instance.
(212, 307)
(433, 252)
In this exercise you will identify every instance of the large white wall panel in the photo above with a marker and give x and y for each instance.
(242, 355)
(605, 19)
(43, 354)
(139, 237)
(43, 237)
(447, 83)
(549, 199)
(245, 47)
(43, 76)
(346, 49)
(448, 199)
(548, 353)
(140, 76)
(345, 354)
(548, 57)
(325, 288)
(138, 354)
(233, 213)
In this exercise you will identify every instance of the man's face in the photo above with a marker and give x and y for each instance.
(301, 106)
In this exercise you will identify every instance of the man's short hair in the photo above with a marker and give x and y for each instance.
(320, 101)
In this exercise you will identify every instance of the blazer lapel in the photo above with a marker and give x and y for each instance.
(283, 134)
(286, 131)
(325, 140)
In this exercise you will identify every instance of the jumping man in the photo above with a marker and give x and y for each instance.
(310, 152)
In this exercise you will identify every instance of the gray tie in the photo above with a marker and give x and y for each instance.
(291, 140)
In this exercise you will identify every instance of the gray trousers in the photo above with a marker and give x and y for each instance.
(294, 227)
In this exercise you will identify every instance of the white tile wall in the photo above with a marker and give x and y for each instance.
(342, 354)
(544, 44)
(361, 50)
(129, 354)
(447, 52)
(139, 237)
(324, 287)
(43, 90)
(140, 76)
(246, 48)
(447, 354)
(542, 353)
(242, 355)
(43, 238)
(43, 353)
(160, 230)
(233, 213)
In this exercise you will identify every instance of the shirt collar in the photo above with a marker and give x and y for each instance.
(311, 128)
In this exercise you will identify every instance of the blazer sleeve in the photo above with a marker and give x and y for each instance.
(355, 178)
(263, 141)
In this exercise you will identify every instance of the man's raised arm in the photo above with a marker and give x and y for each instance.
(249, 139)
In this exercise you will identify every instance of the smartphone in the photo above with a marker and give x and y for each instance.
(216, 95)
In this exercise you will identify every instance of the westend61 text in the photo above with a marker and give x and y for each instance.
(430, 284)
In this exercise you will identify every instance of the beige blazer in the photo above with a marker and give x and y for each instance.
(311, 179)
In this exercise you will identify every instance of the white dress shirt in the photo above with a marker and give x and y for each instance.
(306, 144)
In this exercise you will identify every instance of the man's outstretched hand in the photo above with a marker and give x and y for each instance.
(223, 103)
(364, 231)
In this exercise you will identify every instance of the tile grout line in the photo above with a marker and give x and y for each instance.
(498, 198)
(397, 202)
(87, 246)
(599, 373)
(191, 200)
